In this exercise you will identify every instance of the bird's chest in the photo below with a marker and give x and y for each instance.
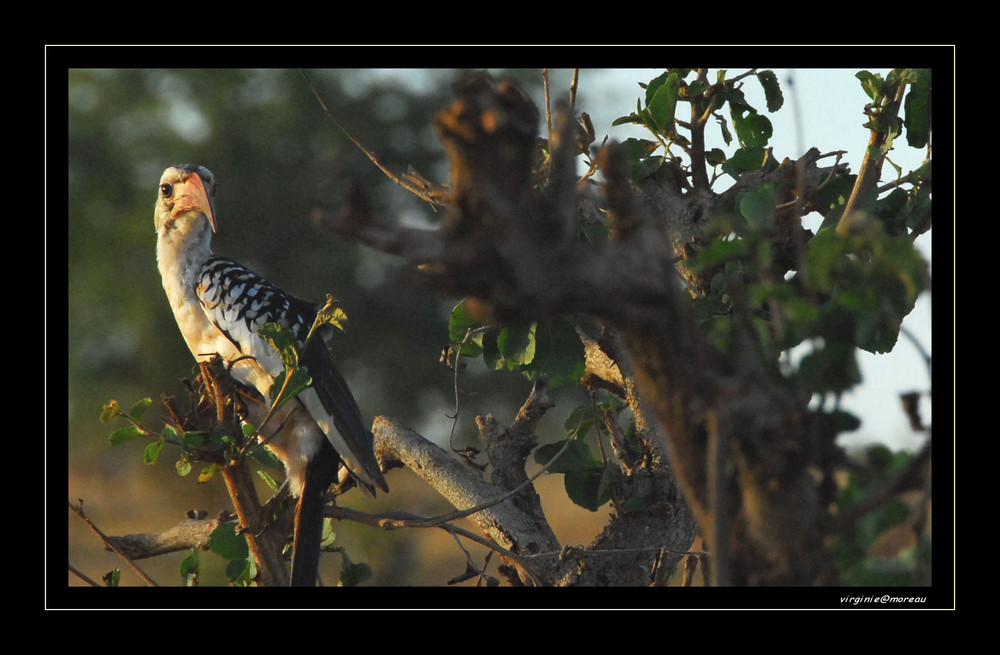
(201, 335)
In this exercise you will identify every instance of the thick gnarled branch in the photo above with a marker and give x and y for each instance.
(510, 241)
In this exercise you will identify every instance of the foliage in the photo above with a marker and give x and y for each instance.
(588, 479)
(551, 348)
(223, 442)
(850, 291)
(853, 549)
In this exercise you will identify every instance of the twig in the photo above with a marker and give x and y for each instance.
(80, 574)
(78, 509)
(430, 198)
(393, 520)
(455, 367)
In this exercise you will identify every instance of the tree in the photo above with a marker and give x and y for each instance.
(699, 364)
(675, 303)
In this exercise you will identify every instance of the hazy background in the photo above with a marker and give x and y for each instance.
(276, 158)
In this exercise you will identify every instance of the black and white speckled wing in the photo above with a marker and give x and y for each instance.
(239, 302)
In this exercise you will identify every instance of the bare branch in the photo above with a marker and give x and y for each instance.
(78, 510)
(191, 533)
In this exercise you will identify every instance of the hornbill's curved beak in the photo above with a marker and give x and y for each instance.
(190, 194)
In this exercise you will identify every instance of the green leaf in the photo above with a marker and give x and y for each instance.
(460, 323)
(283, 341)
(594, 231)
(631, 119)
(577, 457)
(351, 574)
(227, 543)
(663, 103)
(871, 83)
(577, 423)
(727, 136)
(917, 213)
(328, 535)
(139, 408)
(889, 208)
(835, 422)
(772, 90)
(112, 578)
(242, 571)
(645, 167)
(917, 108)
(516, 345)
(831, 198)
(264, 455)
(715, 157)
(588, 489)
(718, 252)
(868, 296)
(653, 86)
(757, 206)
(189, 568)
(832, 368)
(637, 153)
(558, 353)
(636, 149)
(151, 453)
(299, 380)
(201, 441)
(126, 434)
(753, 130)
(331, 315)
(269, 479)
(584, 478)
(746, 159)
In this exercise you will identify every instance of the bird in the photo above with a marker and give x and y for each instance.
(219, 306)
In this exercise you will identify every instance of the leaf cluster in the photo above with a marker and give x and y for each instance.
(211, 445)
(846, 291)
(657, 111)
(590, 481)
(551, 347)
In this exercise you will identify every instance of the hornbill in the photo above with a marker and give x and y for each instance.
(219, 307)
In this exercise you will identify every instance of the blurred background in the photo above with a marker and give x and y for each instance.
(276, 158)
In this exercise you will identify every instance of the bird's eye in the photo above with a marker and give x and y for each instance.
(166, 190)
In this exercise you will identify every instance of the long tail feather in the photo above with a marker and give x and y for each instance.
(320, 474)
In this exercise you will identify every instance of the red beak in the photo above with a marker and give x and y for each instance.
(190, 195)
